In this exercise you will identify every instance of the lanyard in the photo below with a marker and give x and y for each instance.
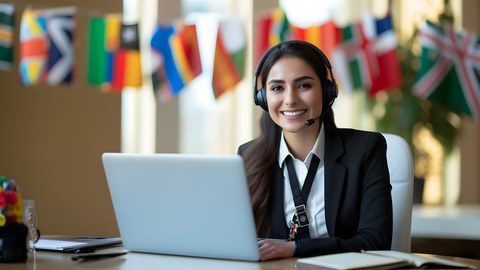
(300, 218)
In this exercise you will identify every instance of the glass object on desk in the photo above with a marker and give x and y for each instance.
(30, 220)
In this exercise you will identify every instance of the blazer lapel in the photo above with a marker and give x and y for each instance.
(334, 176)
(277, 214)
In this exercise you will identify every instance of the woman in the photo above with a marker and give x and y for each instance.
(342, 202)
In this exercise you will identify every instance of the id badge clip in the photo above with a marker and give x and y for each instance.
(301, 213)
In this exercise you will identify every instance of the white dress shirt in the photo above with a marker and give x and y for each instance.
(316, 198)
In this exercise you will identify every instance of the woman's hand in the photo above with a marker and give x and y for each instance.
(274, 249)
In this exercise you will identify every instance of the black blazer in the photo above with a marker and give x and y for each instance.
(358, 202)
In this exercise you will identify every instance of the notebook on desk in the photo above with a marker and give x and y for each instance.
(77, 244)
(192, 205)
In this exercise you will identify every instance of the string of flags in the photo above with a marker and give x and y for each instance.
(114, 62)
(369, 50)
(363, 54)
(177, 59)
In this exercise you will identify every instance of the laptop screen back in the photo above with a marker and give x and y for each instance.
(193, 205)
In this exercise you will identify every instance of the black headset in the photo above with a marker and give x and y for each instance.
(329, 87)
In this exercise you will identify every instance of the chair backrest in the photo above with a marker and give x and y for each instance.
(400, 166)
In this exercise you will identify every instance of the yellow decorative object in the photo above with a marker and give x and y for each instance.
(3, 220)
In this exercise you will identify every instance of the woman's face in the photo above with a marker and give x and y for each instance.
(294, 94)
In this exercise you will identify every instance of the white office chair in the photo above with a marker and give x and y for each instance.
(400, 166)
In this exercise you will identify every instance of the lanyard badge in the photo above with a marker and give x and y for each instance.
(301, 215)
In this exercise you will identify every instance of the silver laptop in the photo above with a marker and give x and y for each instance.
(193, 205)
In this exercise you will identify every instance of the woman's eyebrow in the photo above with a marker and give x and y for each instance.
(303, 78)
(295, 80)
(276, 81)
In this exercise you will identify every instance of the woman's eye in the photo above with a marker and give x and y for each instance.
(304, 86)
(276, 88)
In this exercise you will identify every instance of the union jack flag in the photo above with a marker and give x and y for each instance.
(449, 68)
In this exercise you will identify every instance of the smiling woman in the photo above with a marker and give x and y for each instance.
(323, 189)
(294, 100)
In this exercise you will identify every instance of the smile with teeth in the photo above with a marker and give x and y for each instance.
(293, 114)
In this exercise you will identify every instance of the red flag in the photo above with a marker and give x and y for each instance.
(263, 31)
(331, 37)
(325, 36)
(390, 75)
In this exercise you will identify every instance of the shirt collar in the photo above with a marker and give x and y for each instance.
(318, 148)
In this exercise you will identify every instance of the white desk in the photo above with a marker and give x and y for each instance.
(44, 260)
(139, 261)
(459, 222)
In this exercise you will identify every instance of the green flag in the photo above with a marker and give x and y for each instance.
(6, 32)
(103, 46)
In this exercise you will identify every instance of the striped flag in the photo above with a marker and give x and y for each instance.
(280, 29)
(273, 28)
(128, 69)
(325, 36)
(104, 43)
(229, 59)
(367, 57)
(263, 41)
(6, 31)
(46, 49)
(60, 26)
(34, 46)
(449, 68)
(311, 34)
(176, 59)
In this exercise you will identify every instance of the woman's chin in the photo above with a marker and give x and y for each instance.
(293, 127)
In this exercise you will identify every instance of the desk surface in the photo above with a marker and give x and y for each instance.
(438, 221)
(138, 261)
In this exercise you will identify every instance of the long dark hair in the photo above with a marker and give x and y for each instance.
(261, 156)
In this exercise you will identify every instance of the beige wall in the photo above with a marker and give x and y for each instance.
(52, 138)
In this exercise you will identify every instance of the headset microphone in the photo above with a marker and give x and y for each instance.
(310, 122)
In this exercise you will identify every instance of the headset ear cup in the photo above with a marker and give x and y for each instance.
(261, 99)
(329, 93)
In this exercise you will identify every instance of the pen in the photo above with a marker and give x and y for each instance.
(89, 237)
(85, 250)
(95, 256)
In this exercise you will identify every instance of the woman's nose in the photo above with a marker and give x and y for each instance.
(291, 96)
